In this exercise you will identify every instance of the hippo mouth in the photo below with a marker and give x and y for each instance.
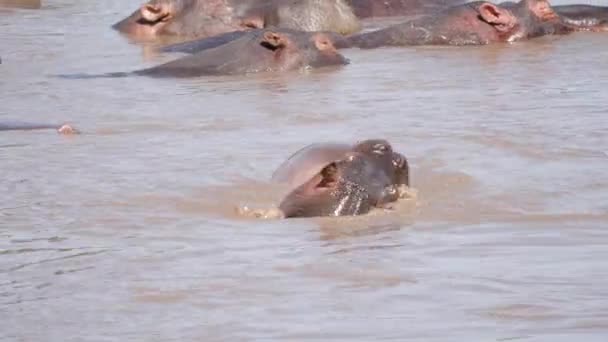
(147, 22)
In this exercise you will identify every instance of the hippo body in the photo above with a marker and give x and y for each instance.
(333, 179)
(389, 8)
(475, 23)
(202, 44)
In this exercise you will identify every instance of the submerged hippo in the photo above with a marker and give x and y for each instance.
(584, 17)
(191, 19)
(475, 23)
(255, 52)
(341, 179)
(24, 126)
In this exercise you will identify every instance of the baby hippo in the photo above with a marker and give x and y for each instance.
(341, 179)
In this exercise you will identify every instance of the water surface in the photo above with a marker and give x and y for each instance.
(129, 232)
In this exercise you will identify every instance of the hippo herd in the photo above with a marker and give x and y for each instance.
(239, 37)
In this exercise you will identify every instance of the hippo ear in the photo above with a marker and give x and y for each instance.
(154, 12)
(329, 176)
(500, 18)
(273, 40)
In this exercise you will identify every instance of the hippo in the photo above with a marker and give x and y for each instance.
(26, 4)
(584, 17)
(475, 23)
(255, 52)
(24, 126)
(258, 51)
(190, 19)
(332, 179)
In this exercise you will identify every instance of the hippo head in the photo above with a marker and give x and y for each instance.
(535, 18)
(394, 164)
(293, 50)
(185, 18)
(502, 20)
(341, 188)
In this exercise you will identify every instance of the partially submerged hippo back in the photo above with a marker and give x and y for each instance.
(388, 8)
(257, 51)
(306, 15)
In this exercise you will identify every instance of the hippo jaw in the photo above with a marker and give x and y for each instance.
(328, 193)
(352, 200)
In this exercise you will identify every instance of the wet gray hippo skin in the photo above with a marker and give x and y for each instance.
(333, 179)
(27, 4)
(25, 126)
(584, 17)
(190, 19)
(257, 51)
(475, 23)
(389, 8)
(202, 44)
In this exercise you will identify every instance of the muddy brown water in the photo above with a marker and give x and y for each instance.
(129, 232)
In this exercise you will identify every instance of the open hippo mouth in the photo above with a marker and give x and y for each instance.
(146, 22)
